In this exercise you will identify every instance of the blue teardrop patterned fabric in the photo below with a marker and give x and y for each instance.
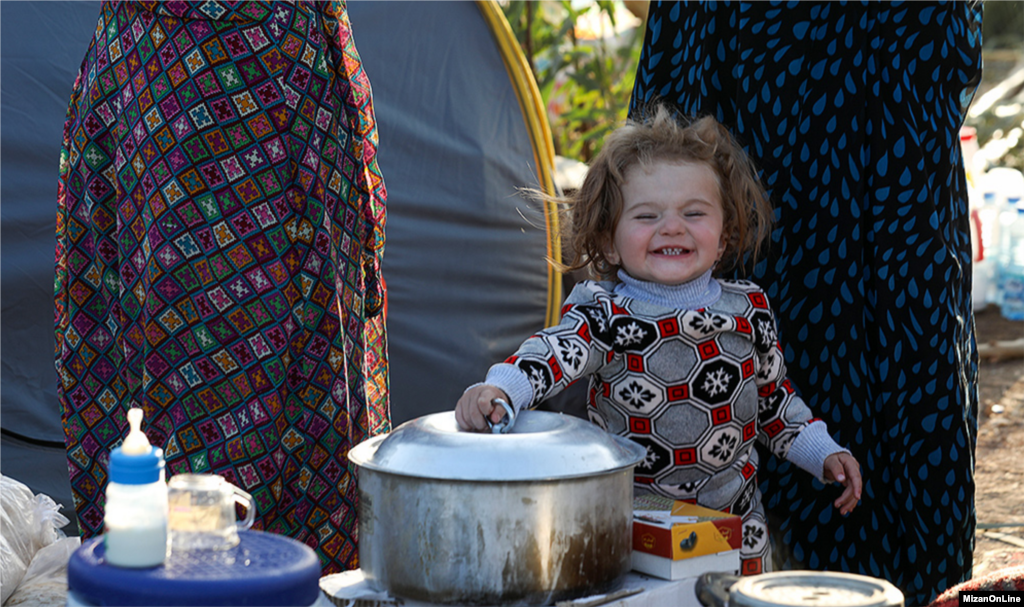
(852, 112)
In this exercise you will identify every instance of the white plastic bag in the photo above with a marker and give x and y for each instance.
(28, 523)
(46, 579)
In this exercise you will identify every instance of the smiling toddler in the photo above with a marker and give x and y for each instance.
(686, 364)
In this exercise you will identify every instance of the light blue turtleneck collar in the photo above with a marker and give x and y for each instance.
(700, 292)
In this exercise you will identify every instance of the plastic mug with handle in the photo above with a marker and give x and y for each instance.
(202, 512)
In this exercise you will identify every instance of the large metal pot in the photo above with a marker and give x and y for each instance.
(541, 514)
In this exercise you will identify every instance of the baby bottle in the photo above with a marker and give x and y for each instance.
(135, 517)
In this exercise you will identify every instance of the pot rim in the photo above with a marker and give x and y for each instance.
(854, 590)
(542, 446)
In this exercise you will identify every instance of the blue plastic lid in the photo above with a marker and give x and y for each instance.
(263, 569)
(136, 469)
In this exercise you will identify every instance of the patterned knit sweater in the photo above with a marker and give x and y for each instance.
(693, 372)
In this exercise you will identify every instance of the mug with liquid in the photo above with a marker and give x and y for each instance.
(202, 512)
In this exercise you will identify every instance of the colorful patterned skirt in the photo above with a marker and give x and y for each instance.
(220, 227)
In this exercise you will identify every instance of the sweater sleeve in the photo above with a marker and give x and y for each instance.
(782, 414)
(513, 382)
(787, 426)
(811, 447)
(552, 359)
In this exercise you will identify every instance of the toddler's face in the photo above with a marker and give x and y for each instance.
(670, 231)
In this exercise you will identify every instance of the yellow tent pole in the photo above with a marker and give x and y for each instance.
(539, 130)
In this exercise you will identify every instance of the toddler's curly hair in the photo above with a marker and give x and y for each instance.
(593, 211)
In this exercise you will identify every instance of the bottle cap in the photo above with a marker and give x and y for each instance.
(136, 462)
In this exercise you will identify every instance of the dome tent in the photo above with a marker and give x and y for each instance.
(462, 127)
(41, 46)
(461, 130)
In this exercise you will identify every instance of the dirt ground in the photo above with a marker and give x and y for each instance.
(1000, 455)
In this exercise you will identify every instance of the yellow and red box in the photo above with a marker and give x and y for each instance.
(671, 531)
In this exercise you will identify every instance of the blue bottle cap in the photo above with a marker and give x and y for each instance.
(138, 469)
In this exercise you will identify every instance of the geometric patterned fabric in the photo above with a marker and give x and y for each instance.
(696, 388)
(852, 112)
(220, 228)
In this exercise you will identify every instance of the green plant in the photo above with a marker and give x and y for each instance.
(1000, 121)
(585, 82)
(1003, 25)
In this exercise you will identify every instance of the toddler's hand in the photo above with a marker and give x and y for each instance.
(843, 468)
(475, 406)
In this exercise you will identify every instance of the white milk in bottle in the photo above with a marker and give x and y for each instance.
(135, 515)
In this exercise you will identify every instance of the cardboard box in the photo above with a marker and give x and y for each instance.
(674, 539)
(667, 569)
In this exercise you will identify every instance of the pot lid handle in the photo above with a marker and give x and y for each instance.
(505, 424)
(712, 588)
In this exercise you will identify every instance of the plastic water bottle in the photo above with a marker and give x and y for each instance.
(985, 244)
(1005, 217)
(1012, 274)
(1002, 189)
(136, 513)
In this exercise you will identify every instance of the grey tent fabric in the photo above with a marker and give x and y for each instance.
(465, 255)
(41, 46)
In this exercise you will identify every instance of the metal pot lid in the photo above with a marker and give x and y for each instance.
(541, 446)
(813, 588)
